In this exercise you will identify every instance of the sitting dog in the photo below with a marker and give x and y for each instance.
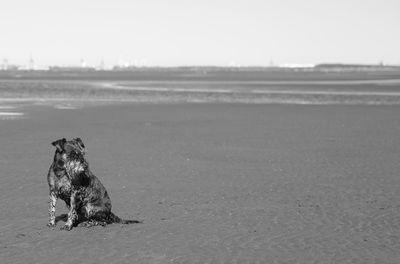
(71, 180)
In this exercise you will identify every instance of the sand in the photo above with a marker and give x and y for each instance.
(213, 183)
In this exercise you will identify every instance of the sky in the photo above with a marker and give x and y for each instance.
(200, 32)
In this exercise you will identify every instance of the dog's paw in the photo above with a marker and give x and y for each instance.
(66, 227)
(51, 225)
(91, 223)
(85, 224)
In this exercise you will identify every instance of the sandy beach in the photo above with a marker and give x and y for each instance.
(213, 183)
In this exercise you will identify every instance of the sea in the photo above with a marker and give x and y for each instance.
(349, 92)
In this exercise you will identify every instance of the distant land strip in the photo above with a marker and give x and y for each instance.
(320, 72)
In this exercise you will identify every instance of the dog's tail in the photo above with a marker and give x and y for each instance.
(116, 219)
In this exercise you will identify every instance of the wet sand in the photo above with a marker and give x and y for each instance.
(213, 183)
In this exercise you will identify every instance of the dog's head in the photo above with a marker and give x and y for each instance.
(69, 157)
(65, 149)
(75, 146)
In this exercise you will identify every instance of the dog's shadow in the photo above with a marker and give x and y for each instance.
(62, 217)
(88, 223)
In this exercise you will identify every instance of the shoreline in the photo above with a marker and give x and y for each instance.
(81, 92)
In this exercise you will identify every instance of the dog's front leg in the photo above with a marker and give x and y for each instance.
(52, 209)
(72, 214)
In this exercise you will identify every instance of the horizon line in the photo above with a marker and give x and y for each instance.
(6, 66)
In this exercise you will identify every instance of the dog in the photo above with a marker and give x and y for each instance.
(71, 180)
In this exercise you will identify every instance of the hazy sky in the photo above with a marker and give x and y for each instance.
(202, 32)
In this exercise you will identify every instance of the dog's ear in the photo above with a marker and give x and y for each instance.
(80, 144)
(59, 144)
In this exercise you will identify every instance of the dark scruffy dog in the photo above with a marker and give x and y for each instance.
(71, 180)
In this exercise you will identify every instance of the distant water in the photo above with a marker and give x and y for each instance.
(10, 115)
(380, 92)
